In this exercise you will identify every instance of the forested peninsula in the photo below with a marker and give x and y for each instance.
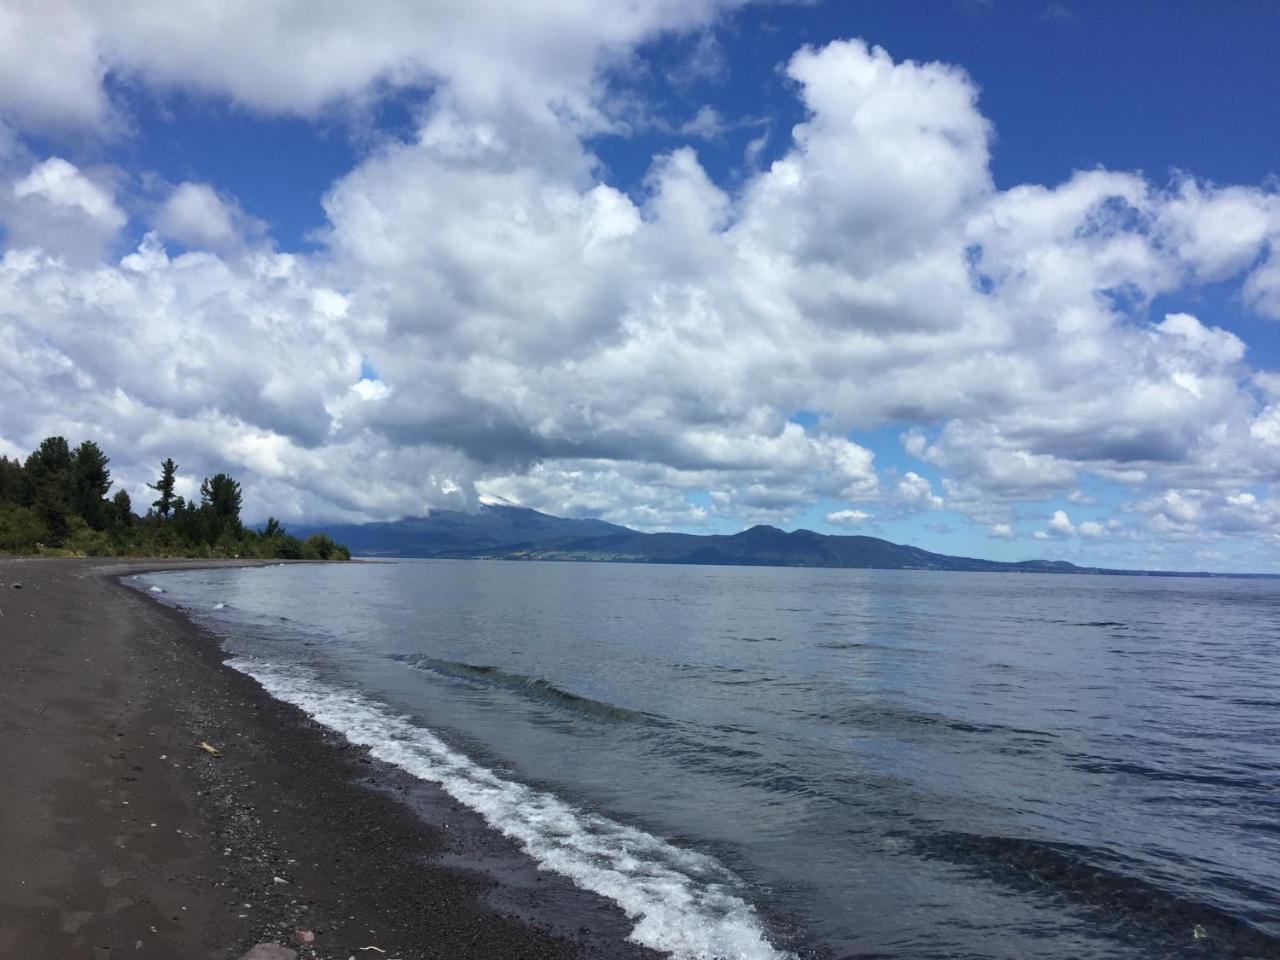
(58, 502)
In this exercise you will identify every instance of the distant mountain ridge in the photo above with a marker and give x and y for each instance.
(507, 532)
(455, 533)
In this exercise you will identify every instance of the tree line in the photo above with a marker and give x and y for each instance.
(57, 501)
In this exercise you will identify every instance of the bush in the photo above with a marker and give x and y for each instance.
(318, 546)
(20, 529)
(82, 539)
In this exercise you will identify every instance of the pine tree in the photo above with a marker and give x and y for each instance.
(164, 487)
(222, 495)
(90, 481)
(49, 487)
(12, 481)
(47, 472)
(123, 508)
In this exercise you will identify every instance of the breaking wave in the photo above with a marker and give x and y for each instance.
(680, 901)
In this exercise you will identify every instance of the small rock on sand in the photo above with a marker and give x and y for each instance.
(270, 951)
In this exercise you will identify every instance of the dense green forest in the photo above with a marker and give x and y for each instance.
(57, 502)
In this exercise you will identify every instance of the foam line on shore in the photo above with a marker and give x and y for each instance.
(679, 900)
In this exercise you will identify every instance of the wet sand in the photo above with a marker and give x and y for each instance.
(120, 836)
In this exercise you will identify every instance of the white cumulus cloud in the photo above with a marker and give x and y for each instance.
(848, 518)
(543, 335)
(194, 215)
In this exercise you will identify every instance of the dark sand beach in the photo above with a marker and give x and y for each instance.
(120, 836)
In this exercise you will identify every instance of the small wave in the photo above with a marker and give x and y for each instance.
(219, 606)
(1104, 765)
(680, 901)
(878, 714)
(1253, 702)
(157, 589)
(533, 688)
(890, 649)
(741, 681)
(1055, 621)
(1081, 874)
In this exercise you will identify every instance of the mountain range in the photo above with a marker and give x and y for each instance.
(508, 532)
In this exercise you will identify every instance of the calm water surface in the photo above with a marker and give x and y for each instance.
(762, 762)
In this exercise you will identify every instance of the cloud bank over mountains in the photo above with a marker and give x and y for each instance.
(484, 313)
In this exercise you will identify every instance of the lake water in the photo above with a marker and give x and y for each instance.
(764, 762)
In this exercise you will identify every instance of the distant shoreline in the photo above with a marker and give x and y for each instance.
(1073, 571)
(124, 833)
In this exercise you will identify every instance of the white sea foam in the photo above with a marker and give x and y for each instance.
(157, 589)
(680, 901)
(219, 606)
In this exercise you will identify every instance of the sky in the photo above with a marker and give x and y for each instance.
(995, 278)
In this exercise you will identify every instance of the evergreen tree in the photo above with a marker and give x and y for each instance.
(52, 456)
(123, 508)
(48, 472)
(90, 481)
(273, 528)
(12, 480)
(164, 487)
(48, 488)
(222, 495)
